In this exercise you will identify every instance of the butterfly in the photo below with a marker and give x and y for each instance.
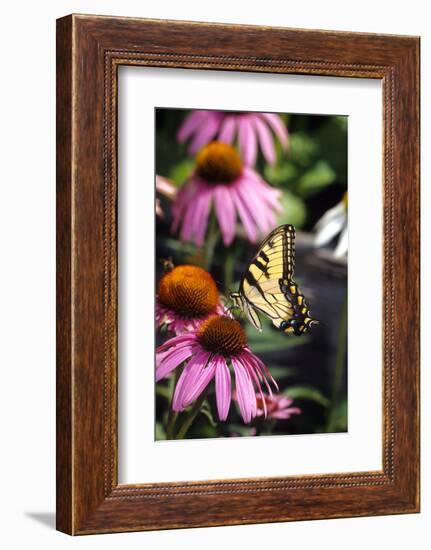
(267, 286)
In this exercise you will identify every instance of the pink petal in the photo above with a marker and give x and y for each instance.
(256, 204)
(181, 203)
(193, 380)
(264, 195)
(244, 390)
(245, 215)
(225, 212)
(200, 219)
(247, 141)
(205, 133)
(187, 226)
(172, 342)
(227, 130)
(190, 124)
(286, 413)
(263, 368)
(284, 402)
(254, 376)
(170, 362)
(222, 388)
(278, 127)
(204, 378)
(265, 140)
(193, 367)
(267, 194)
(259, 373)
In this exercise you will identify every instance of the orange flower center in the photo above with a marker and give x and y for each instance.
(218, 163)
(188, 290)
(222, 335)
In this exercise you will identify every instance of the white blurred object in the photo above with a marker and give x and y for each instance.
(332, 223)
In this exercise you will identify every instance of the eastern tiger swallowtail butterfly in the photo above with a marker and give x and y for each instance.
(267, 285)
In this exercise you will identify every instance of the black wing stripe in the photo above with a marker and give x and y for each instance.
(263, 256)
(260, 265)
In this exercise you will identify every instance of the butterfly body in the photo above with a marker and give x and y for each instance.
(267, 285)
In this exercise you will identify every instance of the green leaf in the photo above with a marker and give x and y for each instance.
(160, 431)
(163, 391)
(178, 246)
(279, 373)
(338, 417)
(271, 339)
(280, 173)
(240, 429)
(302, 148)
(332, 138)
(309, 393)
(206, 411)
(317, 177)
(181, 171)
(294, 210)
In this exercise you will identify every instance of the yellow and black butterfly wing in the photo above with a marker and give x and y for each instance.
(268, 286)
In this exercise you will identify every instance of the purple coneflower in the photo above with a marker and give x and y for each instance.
(251, 129)
(186, 296)
(219, 345)
(276, 406)
(220, 178)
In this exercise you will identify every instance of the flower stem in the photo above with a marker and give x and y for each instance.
(211, 241)
(171, 425)
(339, 366)
(229, 265)
(190, 416)
(172, 415)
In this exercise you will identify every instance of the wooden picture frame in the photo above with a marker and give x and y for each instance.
(89, 51)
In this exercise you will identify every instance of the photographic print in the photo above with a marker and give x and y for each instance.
(251, 274)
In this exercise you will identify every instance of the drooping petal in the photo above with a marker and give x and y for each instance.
(268, 198)
(191, 124)
(186, 232)
(262, 369)
(245, 215)
(222, 388)
(191, 369)
(204, 378)
(169, 362)
(244, 390)
(247, 140)
(227, 129)
(265, 140)
(176, 340)
(254, 375)
(278, 127)
(181, 203)
(193, 380)
(225, 213)
(202, 210)
(268, 194)
(254, 205)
